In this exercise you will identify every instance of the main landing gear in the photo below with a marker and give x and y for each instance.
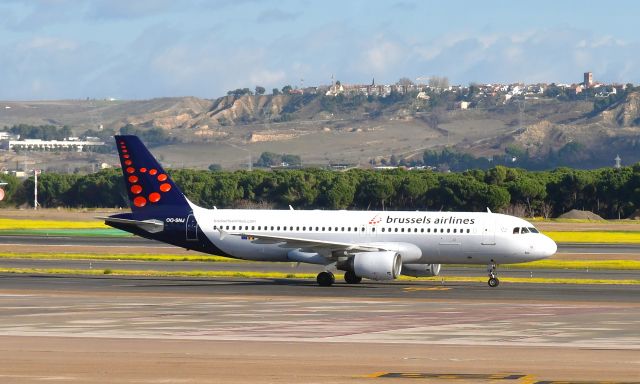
(325, 279)
(493, 278)
(351, 278)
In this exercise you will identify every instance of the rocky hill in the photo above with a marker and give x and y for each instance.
(328, 129)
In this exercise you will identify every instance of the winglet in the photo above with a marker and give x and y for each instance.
(488, 210)
(223, 233)
(290, 207)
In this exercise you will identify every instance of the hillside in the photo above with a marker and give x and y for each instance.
(356, 130)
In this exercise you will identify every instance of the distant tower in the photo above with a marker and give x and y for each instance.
(618, 160)
(588, 79)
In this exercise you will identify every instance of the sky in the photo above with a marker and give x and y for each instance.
(140, 49)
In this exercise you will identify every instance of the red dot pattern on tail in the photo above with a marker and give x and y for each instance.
(137, 189)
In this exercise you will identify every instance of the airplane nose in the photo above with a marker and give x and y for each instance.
(548, 247)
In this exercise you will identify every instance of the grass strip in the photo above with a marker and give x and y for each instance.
(282, 275)
(50, 224)
(123, 257)
(95, 232)
(628, 237)
(577, 264)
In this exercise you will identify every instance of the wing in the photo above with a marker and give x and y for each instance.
(305, 245)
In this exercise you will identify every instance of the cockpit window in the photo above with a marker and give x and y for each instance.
(516, 231)
(533, 230)
(524, 230)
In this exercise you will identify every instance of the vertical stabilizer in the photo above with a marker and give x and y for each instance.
(151, 191)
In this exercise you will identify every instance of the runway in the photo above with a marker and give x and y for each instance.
(144, 330)
(105, 329)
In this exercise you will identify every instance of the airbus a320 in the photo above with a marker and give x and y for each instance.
(379, 245)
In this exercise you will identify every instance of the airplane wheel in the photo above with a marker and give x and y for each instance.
(325, 279)
(494, 282)
(351, 278)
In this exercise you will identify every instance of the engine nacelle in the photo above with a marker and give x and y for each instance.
(421, 270)
(386, 265)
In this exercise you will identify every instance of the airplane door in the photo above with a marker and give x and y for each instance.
(489, 231)
(192, 228)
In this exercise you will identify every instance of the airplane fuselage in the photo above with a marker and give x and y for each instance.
(442, 237)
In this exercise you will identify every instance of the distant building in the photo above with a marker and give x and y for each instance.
(462, 105)
(618, 161)
(588, 79)
(48, 145)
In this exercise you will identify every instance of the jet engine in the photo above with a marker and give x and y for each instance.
(421, 270)
(385, 265)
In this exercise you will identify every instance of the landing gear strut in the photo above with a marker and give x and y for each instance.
(493, 279)
(325, 279)
(351, 278)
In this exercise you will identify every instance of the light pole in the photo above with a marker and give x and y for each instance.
(35, 188)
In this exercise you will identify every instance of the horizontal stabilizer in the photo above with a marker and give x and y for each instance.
(151, 226)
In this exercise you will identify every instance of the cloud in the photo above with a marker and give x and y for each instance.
(275, 15)
(130, 9)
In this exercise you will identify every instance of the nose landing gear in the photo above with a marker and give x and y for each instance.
(493, 278)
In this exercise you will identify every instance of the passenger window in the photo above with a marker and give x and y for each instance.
(304, 228)
(383, 229)
(468, 230)
(455, 230)
(448, 230)
(373, 229)
(421, 230)
(297, 228)
(516, 231)
(401, 229)
(441, 230)
(362, 229)
(395, 229)
(322, 229)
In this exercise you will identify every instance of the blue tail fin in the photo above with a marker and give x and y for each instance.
(151, 191)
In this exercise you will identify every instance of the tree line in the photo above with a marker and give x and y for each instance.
(612, 193)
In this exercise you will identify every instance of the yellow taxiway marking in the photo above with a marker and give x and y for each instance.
(414, 289)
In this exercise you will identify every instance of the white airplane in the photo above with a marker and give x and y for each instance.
(378, 245)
